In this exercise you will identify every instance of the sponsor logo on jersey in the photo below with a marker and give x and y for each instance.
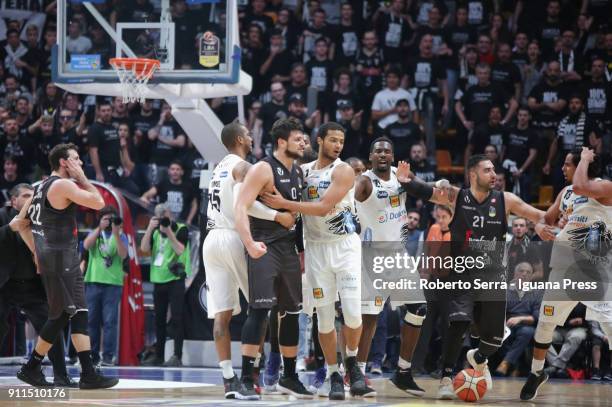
(394, 200)
(312, 192)
(466, 199)
(324, 184)
(317, 293)
(279, 170)
(549, 310)
(223, 174)
(581, 199)
(382, 217)
(492, 211)
(382, 194)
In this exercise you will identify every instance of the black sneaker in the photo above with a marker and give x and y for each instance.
(336, 387)
(533, 384)
(64, 381)
(232, 387)
(96, 381)
(359, 388)
(403, 380)
(33, 376)
(246, 391)
(596, 375)
(291, 385)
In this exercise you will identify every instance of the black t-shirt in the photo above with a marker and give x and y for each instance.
(352, 141)
(106, 138)
(22, 149)
(44, 144)
(574, 133)
(320, 74)
(5, 188)
(328, 102)
(194, 164)
(178, 197)
(456, 37)
(141, 126)
(547, 33)
(570, 62)
(252, 60)
(302, 90)
(162, 154)
(519, 144)
(346, 40)
(264, 21)
(598, 103)
(506, 75)
(425, 72)
(543, 92)
(520, 59)
(404, 136)
(228, 111)
(392, 33)
(477, 101)
(369, 71)
(269, 113)
(424, 170)
(280, 65)
(485, 134)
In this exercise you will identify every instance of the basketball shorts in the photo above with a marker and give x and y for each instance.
(226, 271)
(63, 281)
(275, 278)
(334, 268)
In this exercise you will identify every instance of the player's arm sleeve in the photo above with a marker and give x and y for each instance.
(418, 189)
(257, 209)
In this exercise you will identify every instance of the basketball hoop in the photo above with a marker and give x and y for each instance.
(134, 74)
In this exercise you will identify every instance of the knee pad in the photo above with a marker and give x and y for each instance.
(352, 317)
(78, 323)
(253, 328)
(326, 318)
(544, 334)
(53, 327)
(415, 314)
(288, 329)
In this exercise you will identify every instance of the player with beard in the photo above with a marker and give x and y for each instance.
(379, 191)
(273, 265)
(332, 261)
(223, 252)
(49, 228)
(478, 229)
(587, 207)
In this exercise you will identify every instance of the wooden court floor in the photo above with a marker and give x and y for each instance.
(195, 387)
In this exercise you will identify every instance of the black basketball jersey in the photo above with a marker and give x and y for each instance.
(289, 184)
(52, 229)
(479, 228)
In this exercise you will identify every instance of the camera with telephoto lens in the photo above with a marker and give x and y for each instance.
(165, 221)
(178, 269)
(117, 221)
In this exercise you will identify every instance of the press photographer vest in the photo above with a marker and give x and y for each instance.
(163, 256)
(97, 270)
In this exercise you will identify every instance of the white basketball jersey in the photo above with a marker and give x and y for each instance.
(220, 209)
(341, 221)
(383, 214)
(585, 216)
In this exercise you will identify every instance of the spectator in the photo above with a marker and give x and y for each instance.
(468, 61)
(353, 143)
(316, 28)
(286, 24)
(384, 106)
(547, 102)
(520, 58)
(404, 133)
(50, 39)
(32, 59)
(393, 31)
(485, 50)
(570, 62)
(419, 165)
(499, 32)
(434, 28)
(76, 43)
(178, 196)
(522, 312)
(346, 40)
(342, 92)
(18, 146)
(256, 15)
(104, 144)
(23, 114)
(319, 68)
(270, 112)
(120, 113)
(168, 139)
(598, 106)
(69, 131)
(357, 165)
(9, 179)
(599, 340)
(532, 71)
(297, 109)
(168, 243)
(570, 336)
(299, 81)
(550, 29)
(521, 249)
(521, 151)
(12, 91)
(107, 248)
(412, 235)
(194, 165)
(15, 52)
(492, 132)
(277, 66)
(254, 55)
(490, 151)
(505, 73)
(49, 101)
(369, 64)
(41, 132)
(574, 131)
(500, 180)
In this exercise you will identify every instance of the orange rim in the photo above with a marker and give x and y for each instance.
(141, 66)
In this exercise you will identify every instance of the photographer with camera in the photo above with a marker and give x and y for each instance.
(107, 247)
(168, 243)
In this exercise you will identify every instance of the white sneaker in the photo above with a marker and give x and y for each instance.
(445, 389)
(482, 368)
(324, 390)
(300, 366)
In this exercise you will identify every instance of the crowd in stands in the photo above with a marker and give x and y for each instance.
(524, 82)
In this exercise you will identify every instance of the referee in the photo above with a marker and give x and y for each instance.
(21, 287)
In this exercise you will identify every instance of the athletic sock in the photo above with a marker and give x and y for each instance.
(227, 369)
(479, 357)
(351, 353)
(537, 366)
(86, 363)
(362, 366)
(35, 360)
(247, 366)
(289, 366)
(331, 369)
(403, 364)
(257, 360)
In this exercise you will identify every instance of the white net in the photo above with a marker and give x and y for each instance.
(134, 74)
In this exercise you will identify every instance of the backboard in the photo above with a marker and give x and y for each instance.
(196, 41)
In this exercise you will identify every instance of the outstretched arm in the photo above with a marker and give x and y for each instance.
(517, 206)
(363, 188)
(343, 179)
(589, 187)
(441, 192)
(553, 212)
